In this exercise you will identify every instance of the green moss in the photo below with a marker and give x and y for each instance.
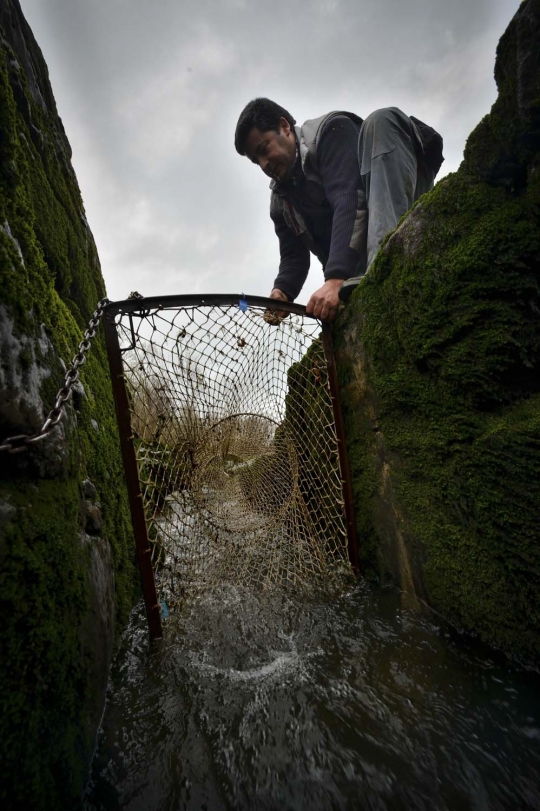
(50, 276)
(358, 408)
(449, 397)
(308, 418)
(42, 591)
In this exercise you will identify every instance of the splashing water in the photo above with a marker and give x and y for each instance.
(262, 701)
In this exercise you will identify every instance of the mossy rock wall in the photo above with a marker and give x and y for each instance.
(67, 571)
(439, 360)
(309, 423)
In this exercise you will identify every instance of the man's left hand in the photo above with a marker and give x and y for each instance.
(324, 302)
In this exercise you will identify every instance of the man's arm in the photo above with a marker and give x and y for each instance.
(337, 154)
(294, 262)
(338, 167)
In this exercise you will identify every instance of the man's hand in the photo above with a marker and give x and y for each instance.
(276, 316)
(324, 302)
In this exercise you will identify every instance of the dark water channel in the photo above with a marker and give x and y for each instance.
(271, 702)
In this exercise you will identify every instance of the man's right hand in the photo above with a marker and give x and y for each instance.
(276, 316)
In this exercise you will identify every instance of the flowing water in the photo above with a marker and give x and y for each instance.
(271, 701)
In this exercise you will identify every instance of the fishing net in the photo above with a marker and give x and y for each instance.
(236, 447)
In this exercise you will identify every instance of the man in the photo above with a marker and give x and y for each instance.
(339, 185)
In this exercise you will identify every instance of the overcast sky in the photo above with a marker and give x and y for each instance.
(150, 91)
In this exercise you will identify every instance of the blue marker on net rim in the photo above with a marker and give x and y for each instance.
(243, 305)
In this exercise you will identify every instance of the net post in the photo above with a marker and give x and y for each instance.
(352, 540)
(138, 520)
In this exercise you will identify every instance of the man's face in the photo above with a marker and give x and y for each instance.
(274, 152)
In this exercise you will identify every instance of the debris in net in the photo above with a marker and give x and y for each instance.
(237, 450)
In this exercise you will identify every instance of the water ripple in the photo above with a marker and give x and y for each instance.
(261, 701)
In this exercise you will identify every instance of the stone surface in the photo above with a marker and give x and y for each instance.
(26, 364)
(94, 521)
(439, 360)
(97, 630)
(56, 641)
(78, 395)
(89, 489)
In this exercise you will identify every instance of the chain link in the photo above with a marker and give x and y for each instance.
(20, 442)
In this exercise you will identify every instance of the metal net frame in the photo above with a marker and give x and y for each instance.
(233, 448)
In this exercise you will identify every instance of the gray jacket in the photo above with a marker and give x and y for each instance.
(307, 136)
(331, 218)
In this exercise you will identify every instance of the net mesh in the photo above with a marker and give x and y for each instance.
(236, 448)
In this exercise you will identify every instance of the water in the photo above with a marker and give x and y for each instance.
(257, 701)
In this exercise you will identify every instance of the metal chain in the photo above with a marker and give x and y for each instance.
(20, 442)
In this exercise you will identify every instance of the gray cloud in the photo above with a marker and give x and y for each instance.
(150, 93)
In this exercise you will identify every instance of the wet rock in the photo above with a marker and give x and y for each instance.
(78, 395)
(7, 512)
(7, 230)
(439, 349)
(97, 628)
(94, 520)
(89, 490)
(26, 364)
(50, 280)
